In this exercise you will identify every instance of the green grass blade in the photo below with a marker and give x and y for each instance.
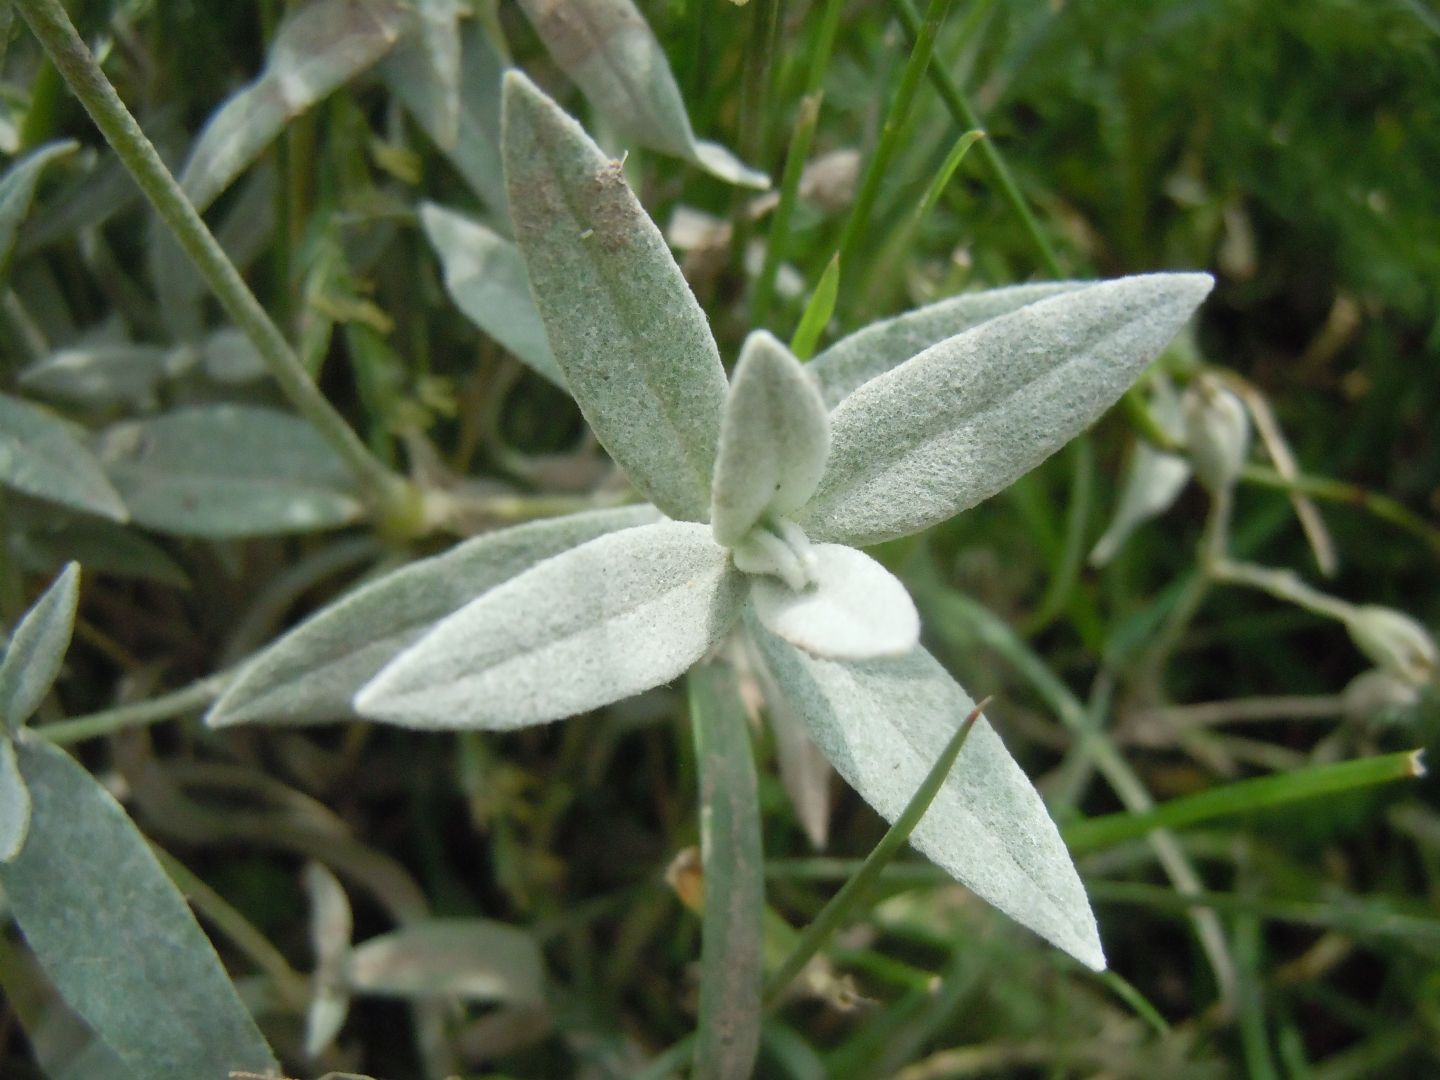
(818, 311)
(843, 902)
(1242, 797)
(733, 861)
(947, 171)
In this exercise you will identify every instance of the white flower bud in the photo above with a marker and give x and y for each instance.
(1396, 642)
(1375, 693)
(1217, 432)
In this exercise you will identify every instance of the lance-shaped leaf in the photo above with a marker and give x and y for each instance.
(855, 360)
(14, 802)
(474, 959)
(37, 649)
(608, 48)
(856, 609)
(774, 438)
(422, 88)
(314, 671)
(331, 926)
(229, 471)
(115, 936)
(883, 723)
(966, 417)
(104, 374)
(611, 618)
(43, 456)
(318, 49)
(485, 276)
(624, 326)
(17, 192)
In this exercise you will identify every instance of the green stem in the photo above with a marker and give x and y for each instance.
(879, 165)
(795, 156)
(966, 118)
(108, 721)
(388, 493)
(1339, 491)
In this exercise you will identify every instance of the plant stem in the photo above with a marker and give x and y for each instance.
(966, 118)
(1339, 491)
(108, 721)
(388, 494)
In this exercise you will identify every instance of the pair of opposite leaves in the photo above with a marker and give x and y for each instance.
(892, 430)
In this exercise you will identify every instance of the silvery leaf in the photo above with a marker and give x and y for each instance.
(230, 357)
(623, 324)
(37, 649)
(475, 152)
(116, 938)
(313, 672)
(319, 48)
(228, 471)
(17, 192)
(963, 419)
(616, 616)
(102, 374)
(883, 723)
(855, 360)
(14, 803)
(42, 455)
(485, 276)
(855, 610)
(774, 438)
(608, 48)
(331, 925)
(473, 959)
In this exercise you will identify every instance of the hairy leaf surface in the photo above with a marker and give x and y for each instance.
(42, 455)
(963, 419)
(314, 671)
(774, 438)
(14, 802)
(116, 937)
(616, 616)
(883, 723)
(17, 192)
(625, 328)
(37, 649)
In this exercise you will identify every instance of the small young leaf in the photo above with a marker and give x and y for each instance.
(855, 360)
(116, 937)
(37, 649)
(882, 724)
(485, 276)
(774, 438)
(17, 192)
(331, 925)
(734, 864)
(110, 374)
(965, 418)
(607, 47)
(473, 959)
(315, 51)
(41, 455)
(624, 326)
(313, 672)
(616, 616)
(855, 610)
(228, 471)
(14, 802)
(475, 152)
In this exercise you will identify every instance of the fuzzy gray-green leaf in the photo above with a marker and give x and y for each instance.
(625, 328)
(965, 418)
(614, 617)
(102, 374)
(608, 48)
(856, 609)
(774, 437)
(14, 802)
(314, 671)
(874, 350)
(485, 276)
(115, 936)
(37, 649)
(472, 959)
(316, 50)
(228, 471)
(883, 723)
(17, 192)
(41, 455)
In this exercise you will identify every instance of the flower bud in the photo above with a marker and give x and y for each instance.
(1377, 693)
(1397, 643)
(1217, 432)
